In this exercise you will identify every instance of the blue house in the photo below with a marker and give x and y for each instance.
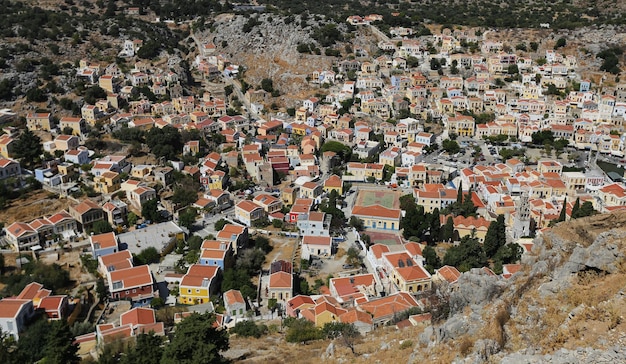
(216, 254)
(103, 244)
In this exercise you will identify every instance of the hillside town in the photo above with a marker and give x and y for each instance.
(356, 206)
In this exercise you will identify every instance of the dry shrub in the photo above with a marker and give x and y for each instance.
(465, 346)
(559, 339)
(495, 330)
(613, 317)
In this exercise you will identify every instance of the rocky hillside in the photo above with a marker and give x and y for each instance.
(268, 49)
(567, 305)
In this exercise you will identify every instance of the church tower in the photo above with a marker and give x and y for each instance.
(521, 223)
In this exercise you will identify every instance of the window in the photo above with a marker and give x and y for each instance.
(189, 291)
(127, 292)
(197, 290)
(134, 291)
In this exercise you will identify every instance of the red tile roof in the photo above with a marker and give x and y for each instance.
(199, 275)
(30, 291)
(316, 240)
(132, 277)
(449, 273)
(138, 316)
(413, 273)
(376, 211)
(106, 240)
(355, 315)
(281, 280)
(9, 307)
(233, 296)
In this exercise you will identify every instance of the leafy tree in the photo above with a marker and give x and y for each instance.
(435, 64)
(329, 206)
(251, 260)
(356, 223)
(541, 137)
(509, 253)
(164, 142)
(560, 43)
(149, 50)
(194, 242)
(94, 93)
(132, 218)
(459, 193)
(267, 85)
(196, 341)
(347, 334)
(219, 224)
(147, 350)
(521, 47)
(586, 209)
(147, 256)
(238, 279)
(435, 226)
(495, 237)
(101, 289)
(28, 149)
(187, 218)
(353, 258)
(277, 223)
(432, 259)
(149, 210)
(448, 229)
(534, 46)
(576, 208)
(263, 243)
(60, 346)
(184, 195)
(301, 330)
(90, 263)
(249, 328)
(101, 227)
(344, 152)
(513, 69)
(451, 146)
(467, 255)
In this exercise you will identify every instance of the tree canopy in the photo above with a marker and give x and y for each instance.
(467, 255)
(28, 149)
(196, 341)
(164, 142)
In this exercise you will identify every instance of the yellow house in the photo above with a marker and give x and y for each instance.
(378, 217)
(78, 125)
(140, 171)
(411, 278)
(248, 212)
(6, 146)
(364, 170)
(38, 121)
(289, 195)
(198, 284)
(461, 125)
(216, 180)
(107, 182)
(325, 313)
(333, 183)
(470, 225)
